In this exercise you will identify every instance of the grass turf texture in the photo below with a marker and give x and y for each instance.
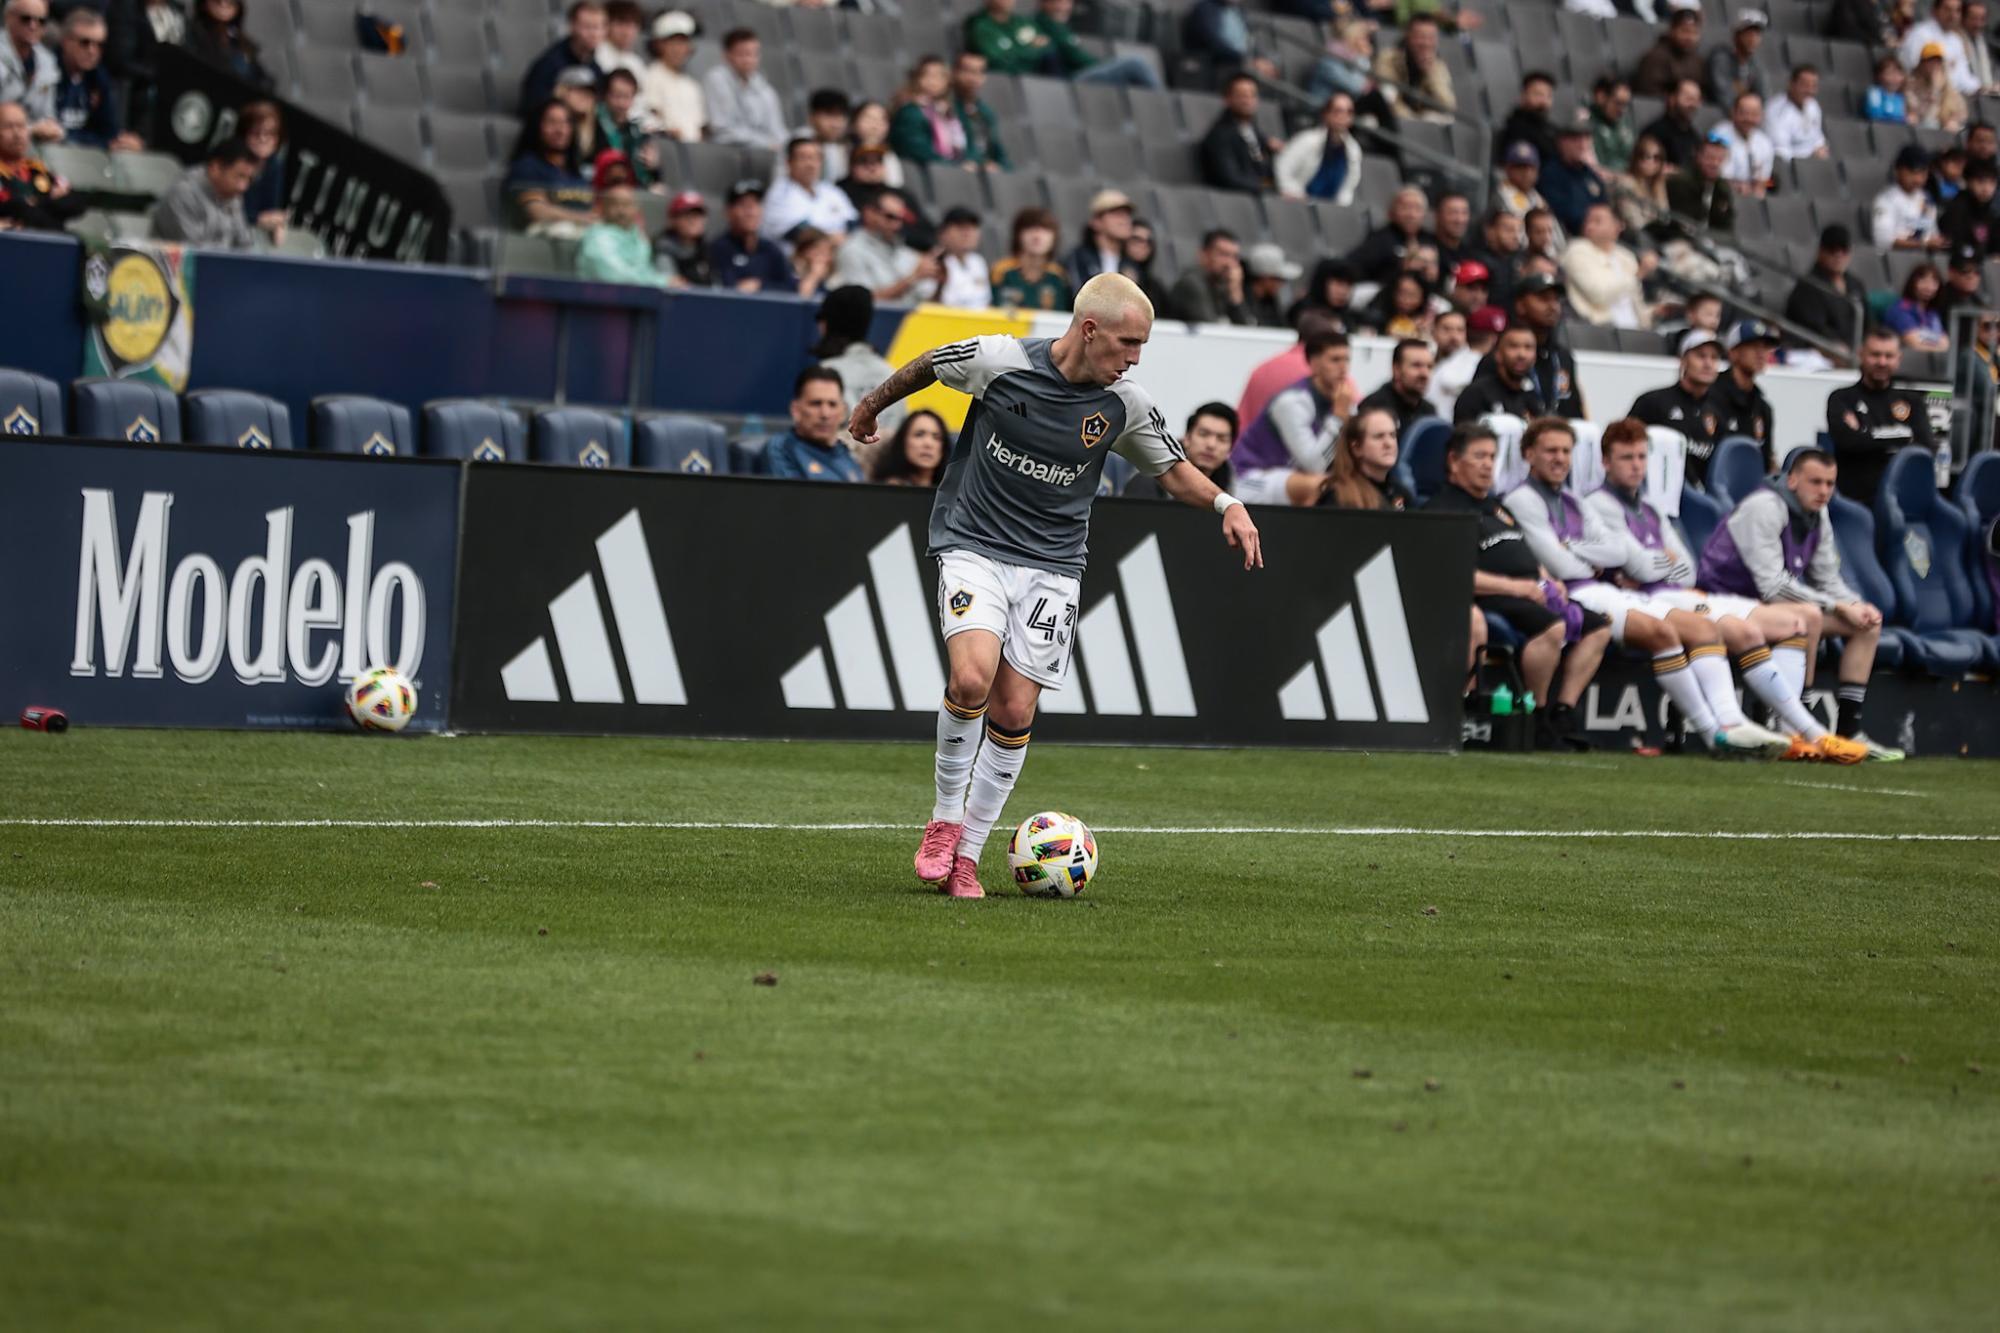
(335, 1078)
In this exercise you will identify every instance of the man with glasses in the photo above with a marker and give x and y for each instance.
(86, 100)
(28, 72)
(876, 258)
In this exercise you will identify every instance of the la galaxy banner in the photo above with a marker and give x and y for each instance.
(138, 302)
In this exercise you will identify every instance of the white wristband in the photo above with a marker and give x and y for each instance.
(1223, 499)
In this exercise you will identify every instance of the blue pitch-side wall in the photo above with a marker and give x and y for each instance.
(295, 328)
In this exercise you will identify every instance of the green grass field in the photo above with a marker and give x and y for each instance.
(508, 1077)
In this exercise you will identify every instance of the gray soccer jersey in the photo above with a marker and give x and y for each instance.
(1020, 480)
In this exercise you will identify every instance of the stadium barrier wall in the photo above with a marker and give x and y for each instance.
(179, 586)
(675, 605)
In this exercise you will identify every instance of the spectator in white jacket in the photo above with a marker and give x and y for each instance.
(1751, 166)
(1904, 218)
(1946, 28)
(1794, 122)
(1605, 280)
(1323, 162)
(673, 100)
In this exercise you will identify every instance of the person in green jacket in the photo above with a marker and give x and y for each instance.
(615, 248)
(943, 119)
(1045, 44)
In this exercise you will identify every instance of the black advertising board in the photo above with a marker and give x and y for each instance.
(643, 603)
(184, 586)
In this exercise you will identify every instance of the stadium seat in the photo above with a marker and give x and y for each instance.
(746, 454)
(1117, 475)
(84, 168)
(1736, 470)
(1978, 498)
(671, 443)
(113, 409)
(233, 416)
(579, 436)
(1854, 530)
(1423, 454)
(145, 173)
(1922, 540)
(31, 405)
(351, 424)
(472, 428)
(1700, 516)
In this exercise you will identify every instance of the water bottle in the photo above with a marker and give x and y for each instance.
(1503, 700)
(1527, 701)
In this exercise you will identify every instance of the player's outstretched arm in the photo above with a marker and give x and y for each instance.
(917, 375)
(1186, 483)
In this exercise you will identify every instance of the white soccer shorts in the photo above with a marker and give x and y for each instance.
(1714, 605)
(1613, 603)
(1031, 611)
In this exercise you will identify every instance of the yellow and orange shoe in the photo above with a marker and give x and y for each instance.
(1803, 751)
(1841, 750)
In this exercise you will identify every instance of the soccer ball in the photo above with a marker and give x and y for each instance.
(1052, 855)
(382, 700)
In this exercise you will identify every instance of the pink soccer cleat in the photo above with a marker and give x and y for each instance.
(964, 879)
(939, 846)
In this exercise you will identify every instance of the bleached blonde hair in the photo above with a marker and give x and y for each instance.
(1107, 296)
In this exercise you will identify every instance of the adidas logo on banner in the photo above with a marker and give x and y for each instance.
(1391, 662)
(1102, 650)
(583, 643)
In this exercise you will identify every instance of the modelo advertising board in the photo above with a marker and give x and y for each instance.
(661, 604)
(164, 585)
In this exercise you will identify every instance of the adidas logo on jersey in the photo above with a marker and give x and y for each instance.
(1389, 667)
(583, 641)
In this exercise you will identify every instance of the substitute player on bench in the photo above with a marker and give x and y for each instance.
(1008, 529)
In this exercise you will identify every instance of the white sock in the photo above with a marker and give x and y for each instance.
(994, 773)
(1671, 670)
(1710, 664)
(1762, 674)
(958, 733)
(1789, 656)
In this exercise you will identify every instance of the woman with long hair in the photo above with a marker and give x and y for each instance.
(1640, 192)
(1364, 462)
(915, 454)
(868, 127)
(1141, 250)
(1916, 318)
(547, 194)
(1029, 278)
(926, 127)
(1403, 308)
(261, 126)
(215, 33)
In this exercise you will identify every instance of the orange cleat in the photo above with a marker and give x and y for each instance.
(1841, 750)
(1803, 751)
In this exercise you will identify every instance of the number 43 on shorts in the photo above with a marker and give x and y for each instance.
(1054, 628)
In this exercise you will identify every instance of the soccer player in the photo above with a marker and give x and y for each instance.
(1778, 545)
(1578, 548)
(1767, 641)
(1008, 530)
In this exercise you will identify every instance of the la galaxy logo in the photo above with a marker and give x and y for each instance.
(21, 422)
(1709, 423)
(142, 431)
(252, 438)
(961, 602)
(1095, 427)
(594, 454)
(1504, 516)
(488, 452)
(378, 445)
(1900, 410)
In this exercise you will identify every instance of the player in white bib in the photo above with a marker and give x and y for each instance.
(1771, 644)
(1588, 556)
(1009, 528)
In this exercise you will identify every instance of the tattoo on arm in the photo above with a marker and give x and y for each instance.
(916, 375)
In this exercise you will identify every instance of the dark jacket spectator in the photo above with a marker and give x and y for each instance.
(1701, 197)
(938, 124)
(1863, 21)
(215, 33)
(1830, 314)
(139, 28)
(1674, 57)
(1235, 153)
(1529, 121)
(1675, 130)
(1380, 255)
(578, 46)
(1212, 291)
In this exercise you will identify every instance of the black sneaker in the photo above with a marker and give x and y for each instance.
(1562, 730)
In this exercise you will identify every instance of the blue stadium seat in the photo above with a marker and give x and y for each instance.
(351, 424)
(746, 454)
(109, 409)
(1854, 531)
(31, 405)
(473, 428)
(669, 443)
(1501, 634)
(1422, 454)
(1978, 497)
(1118, 473)
(1700, 515)
(579, 436)
(1922, 540)
(234, 416)
(1736, 470)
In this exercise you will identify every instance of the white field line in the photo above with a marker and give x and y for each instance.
(1859, 791)
(1259, 830)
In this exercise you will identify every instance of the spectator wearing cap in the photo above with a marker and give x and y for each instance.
(813, 450)
(673, 101)
(1740, 406)
(1795, 121)
(682, 249)
(743, 107)
(615, 248)
(1520, 168)
(1612, 132)
(1030, 277)
(1538, 309)
(1102, 249)
(1211, 292)
(802, 198)
(1471, 286)
(828, 113)
(1826, 304)
(1962, 285)
(1405, 395)
(1701, 198)
(1236, 154)
(1568, 181)
(1675, 130)
(1934, 103)
(1382, 252)
(1529, 121)
(1887, 102)
(1684, 406)
(742, 259)
(1324, 161)
(875, 256)
(1945, 30)
(1415, 82)
(1903, 216)
(1456, 355)
(1606, 281)
(1751, 164)
(845, 316)
(1267, 272)
(576, 89)
(620, 131)
(1675, 57)
(547, 194)
(964, 280)
(576, 47)
(623, 20)
(1968, 219)
(1871, 420)
(1732, 69)
(1914, 317)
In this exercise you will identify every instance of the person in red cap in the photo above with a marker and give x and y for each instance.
(682, 249)
(1471, 285)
